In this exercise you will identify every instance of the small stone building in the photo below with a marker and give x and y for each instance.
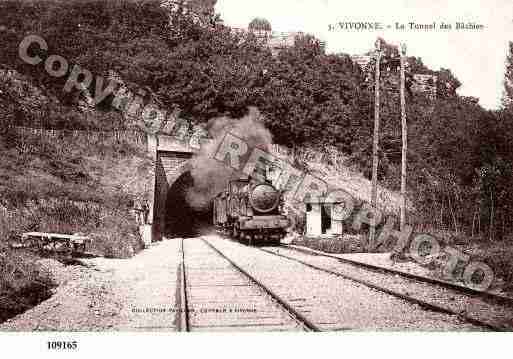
(319, 221)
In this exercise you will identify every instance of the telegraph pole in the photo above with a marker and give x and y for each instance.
(375, 159)
(405, 138)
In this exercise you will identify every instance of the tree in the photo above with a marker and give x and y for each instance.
(447, 84)
(259, 24)
(507, 97)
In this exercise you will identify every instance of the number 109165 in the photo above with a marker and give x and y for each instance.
(57, 345)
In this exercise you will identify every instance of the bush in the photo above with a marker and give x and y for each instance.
(117, 237)
(22, 283)
(341, 244)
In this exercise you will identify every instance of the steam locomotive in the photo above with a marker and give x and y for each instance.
(251, 212)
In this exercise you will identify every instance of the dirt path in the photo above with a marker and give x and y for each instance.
(109, 294)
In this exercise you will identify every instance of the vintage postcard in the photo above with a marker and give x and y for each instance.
(241, 166)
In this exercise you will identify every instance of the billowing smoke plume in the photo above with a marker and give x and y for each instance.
(211, 176)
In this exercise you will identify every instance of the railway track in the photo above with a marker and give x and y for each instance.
(323, 301)
(217, 295)
(492, 297)
(482, 309)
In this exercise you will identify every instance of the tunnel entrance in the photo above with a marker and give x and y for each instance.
(181, 219)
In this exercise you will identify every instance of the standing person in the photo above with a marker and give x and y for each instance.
(138, 211)
(145, 211)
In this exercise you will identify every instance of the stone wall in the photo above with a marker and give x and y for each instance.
(169, 166)
(424, 84)
(134, 137)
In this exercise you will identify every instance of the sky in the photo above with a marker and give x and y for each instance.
(477, 58)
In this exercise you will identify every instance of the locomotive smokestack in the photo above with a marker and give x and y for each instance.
(211, 176)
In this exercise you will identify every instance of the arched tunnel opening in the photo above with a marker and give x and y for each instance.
(182, 219)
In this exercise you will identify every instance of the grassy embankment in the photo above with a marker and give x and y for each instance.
(76, 184)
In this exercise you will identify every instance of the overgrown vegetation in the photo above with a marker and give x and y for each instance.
(22, 283)
(65, 186)
(64, 183)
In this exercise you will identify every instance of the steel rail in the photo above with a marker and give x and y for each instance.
(499, 299)
(298, 317)
(184, 305)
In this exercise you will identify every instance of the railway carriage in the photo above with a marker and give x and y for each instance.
(251, 212)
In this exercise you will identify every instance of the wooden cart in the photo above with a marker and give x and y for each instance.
(55, 242)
